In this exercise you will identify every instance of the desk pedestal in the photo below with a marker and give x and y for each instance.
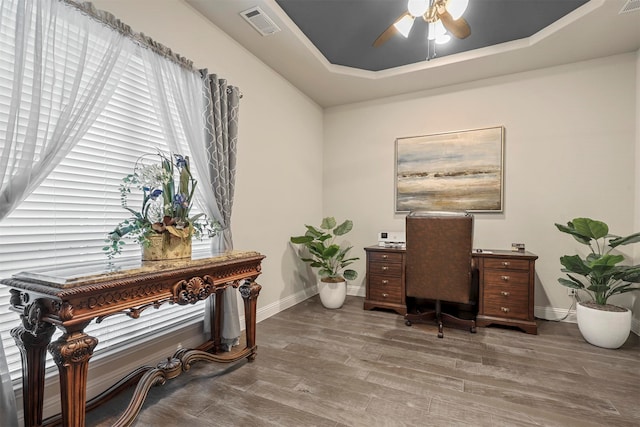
(507, 283)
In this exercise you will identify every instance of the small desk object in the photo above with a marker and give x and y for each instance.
(506, 285)
(69, 297)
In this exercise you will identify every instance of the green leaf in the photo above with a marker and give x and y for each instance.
(625, 289)
(591, 228)
(312, 231)
(301, 239)
(629, 273)
(570, 283)
(607, 260)
(350, 274)
(343, 228)
(574, 264)
(328, 223)
(570, 230)
(331, 251)
(633, 238)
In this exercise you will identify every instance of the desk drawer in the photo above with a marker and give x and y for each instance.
(510, 264)
(382, 288)
(385, 268)
(385, 257)
(505, 300)
(514, 278)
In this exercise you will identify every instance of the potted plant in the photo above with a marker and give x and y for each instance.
(600, 323)
(329, 258)
(162, 226)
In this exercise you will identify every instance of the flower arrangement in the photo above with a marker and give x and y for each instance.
(168, 189)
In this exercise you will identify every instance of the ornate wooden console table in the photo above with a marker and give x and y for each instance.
(70, 297)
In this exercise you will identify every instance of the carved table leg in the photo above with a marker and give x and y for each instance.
(216, 329)
(33, 350)
(250, 291)
(32, 339)
(72, 352)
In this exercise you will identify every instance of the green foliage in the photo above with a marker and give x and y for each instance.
(602, 276)
(327, 256)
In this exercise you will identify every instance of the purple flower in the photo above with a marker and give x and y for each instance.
(179, 200)
(180, 161)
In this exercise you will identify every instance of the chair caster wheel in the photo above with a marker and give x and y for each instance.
(440, 335)
(473, 330)
(407, 322)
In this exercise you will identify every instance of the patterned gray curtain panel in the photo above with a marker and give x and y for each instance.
(222, 104)
(221, 139)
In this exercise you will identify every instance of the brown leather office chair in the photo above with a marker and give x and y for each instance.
(439, 269)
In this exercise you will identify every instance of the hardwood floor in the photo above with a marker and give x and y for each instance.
(351, 367)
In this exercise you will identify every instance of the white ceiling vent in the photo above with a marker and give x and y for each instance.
(260, 21)
(630, 6)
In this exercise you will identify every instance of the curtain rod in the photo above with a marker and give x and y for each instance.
(116, 24)
(107, 18)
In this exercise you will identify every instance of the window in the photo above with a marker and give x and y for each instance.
(67, 218)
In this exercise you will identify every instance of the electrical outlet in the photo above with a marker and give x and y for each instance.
(571, 292)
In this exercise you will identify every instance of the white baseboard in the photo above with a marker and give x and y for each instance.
(556, 314)
(280, 305)
(358, 291)
(564, 315)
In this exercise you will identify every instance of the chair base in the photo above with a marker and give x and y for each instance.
(441, 319)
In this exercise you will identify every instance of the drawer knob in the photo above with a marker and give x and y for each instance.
(506, 263)
(385, 295)
(385, 256)
(385, 282)
(385, 268)
(504, 309)
(504, 293)
(505, 278)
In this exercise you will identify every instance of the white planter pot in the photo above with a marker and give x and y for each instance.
(332, 295)
(603, 328)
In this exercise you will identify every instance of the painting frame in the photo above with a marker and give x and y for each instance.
(451, 171)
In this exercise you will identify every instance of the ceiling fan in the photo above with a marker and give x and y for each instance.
(442, 16)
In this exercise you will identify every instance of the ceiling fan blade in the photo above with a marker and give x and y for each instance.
(457, 27)
(389, 32)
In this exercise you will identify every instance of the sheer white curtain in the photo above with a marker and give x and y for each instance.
(178, 95)
(65, 69)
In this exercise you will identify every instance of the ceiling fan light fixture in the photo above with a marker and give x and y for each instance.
(436, 31)
(404, 25)
(457, 7)
(418, 7)
(445, 38)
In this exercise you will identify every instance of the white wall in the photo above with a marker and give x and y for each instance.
(569, 151)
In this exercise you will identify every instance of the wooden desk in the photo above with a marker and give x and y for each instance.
(70, 297)
(506, 285)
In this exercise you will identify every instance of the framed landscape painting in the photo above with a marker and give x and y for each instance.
(454, 171)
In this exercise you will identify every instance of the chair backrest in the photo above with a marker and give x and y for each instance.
(438, 256)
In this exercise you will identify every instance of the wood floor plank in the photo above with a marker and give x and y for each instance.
(355, 367)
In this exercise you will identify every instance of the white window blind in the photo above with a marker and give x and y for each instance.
(67, 218)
